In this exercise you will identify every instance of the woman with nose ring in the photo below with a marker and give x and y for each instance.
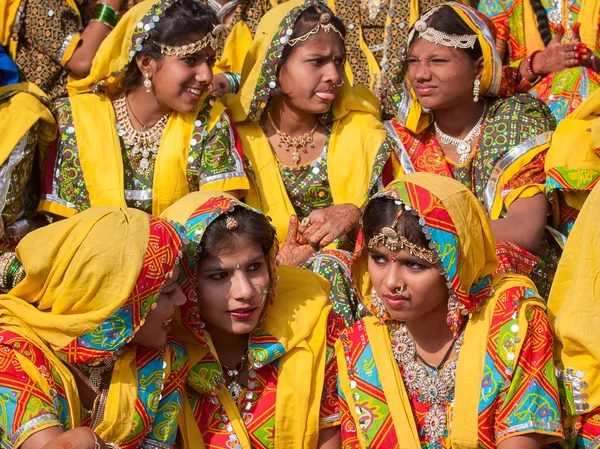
(142, 130)
(265, 375)
(315, 144)
(452, 357)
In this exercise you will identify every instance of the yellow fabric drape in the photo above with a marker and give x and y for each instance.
(297, 318)
(236, 48)
(533, 40)
(19, 113)
(8, 14)
(588, 17)
(77, 276)
(356, 136)
(574, 310)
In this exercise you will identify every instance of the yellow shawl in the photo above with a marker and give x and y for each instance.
(472, 262)
(574, 311)
(79, 273)
(296, 317)
(99, 147)
(356, 135)
(22, 106)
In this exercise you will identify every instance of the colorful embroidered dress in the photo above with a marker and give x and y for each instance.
(518, 36)
(357, 152)
(27, 129)
(507, 164)
(291, 392)
(91, 166)
(84, 298)
(504, 381)
(573, 309)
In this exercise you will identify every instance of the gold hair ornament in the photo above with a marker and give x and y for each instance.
(389, 238)
(324, 24)
(231, 224)
(211, 39)
(434, 36)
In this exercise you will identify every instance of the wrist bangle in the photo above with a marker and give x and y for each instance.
(234, 81)
(530, 66)
(11, 271)
(105, 13)
(103, 22)
(96, 442)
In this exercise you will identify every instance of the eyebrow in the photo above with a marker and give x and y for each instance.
(219, 268)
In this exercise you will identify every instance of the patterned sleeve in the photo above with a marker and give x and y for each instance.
(527, 182)
(55, 28)
(519, 394)
(498, 11)
(330, 408)
(24, 407)
(348, 428)
(216, 161)
(381, 166)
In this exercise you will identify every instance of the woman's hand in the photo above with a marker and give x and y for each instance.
(293, 252)
(557, 56)
(326, 225)
(220, 85)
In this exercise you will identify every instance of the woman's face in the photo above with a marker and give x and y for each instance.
(154, 332)
(441, 76)
(231, 284)
(424, 287)
(310, 73)
(178, 82)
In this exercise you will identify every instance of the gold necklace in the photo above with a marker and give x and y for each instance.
(145, 142)
(294, 142)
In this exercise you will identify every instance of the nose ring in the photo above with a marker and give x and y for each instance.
(400, 289)
(339, 85)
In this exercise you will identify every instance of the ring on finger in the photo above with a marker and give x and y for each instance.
(305, 222)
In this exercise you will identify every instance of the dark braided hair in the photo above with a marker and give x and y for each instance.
(542, 19)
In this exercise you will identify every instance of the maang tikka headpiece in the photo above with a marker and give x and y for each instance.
(324, 24)
(434, 36)
(211, 39)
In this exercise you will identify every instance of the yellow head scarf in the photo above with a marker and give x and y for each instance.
(458, 229)
(296, 317)
(574, 310)
(90, 282)
(400, 99)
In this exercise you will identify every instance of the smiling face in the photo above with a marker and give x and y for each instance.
(409, 286)
(153, 333)
(178, 82)
(231, 286)
(441, 76)
(309, 74)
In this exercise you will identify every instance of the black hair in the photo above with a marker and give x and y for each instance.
(542, 20)
(182, 23)
(252, 225)
(306, 21)
(382, 211)
(448, 21)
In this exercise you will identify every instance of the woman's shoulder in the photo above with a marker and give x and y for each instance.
(12, 343)
(520, 107)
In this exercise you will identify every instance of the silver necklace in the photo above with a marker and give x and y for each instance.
(234, 387)
(433, 387)
(463, 146)
(95, 373)
(555, 13)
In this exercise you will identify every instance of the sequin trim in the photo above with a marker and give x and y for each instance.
(65, 45)
(153, 444)
(400, 150)
(35, 422)
(532, 426)
(5, 174)
(138, 195)
(330, 419)
(576, 385)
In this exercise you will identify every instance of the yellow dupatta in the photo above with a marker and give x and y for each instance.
(574, 311)
(22, 108)
(78, 281)
(99, 147)
(296, 317)
(472, 263)
(356, 136)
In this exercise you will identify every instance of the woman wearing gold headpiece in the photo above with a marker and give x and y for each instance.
(265, 375)
(315, 144)
(157, 134)
(52, 39)
(574, 310)
(554, 44)
(453, 357)
(454, 118)
(86, 361)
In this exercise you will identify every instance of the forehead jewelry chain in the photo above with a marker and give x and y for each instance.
(463, 146)
(295, 143)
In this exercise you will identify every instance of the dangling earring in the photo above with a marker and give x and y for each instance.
(378, 308)
(454, 318)
(476, 90)
(147, 83)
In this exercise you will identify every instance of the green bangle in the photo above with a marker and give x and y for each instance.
(11, 272)
(234, 81)
(106, 14)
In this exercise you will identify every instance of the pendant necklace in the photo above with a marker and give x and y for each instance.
(234, 387)
(463, 146)
(295, 143)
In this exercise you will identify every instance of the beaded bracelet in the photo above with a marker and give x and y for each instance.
(106, 15)
(530, 66)
(234, 81)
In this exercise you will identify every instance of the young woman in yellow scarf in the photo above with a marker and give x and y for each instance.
(266, 374)
(84, 354)
(455, 117)
(156, 134)
(553, 44)
(315, 145)
(574, 310)
(452, 356)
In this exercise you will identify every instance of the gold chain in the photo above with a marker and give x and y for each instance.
(295, 143)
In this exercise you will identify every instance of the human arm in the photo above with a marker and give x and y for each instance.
(57, 438)
(330, 438)
(293, 252)
(531, 441)
(330, 223)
